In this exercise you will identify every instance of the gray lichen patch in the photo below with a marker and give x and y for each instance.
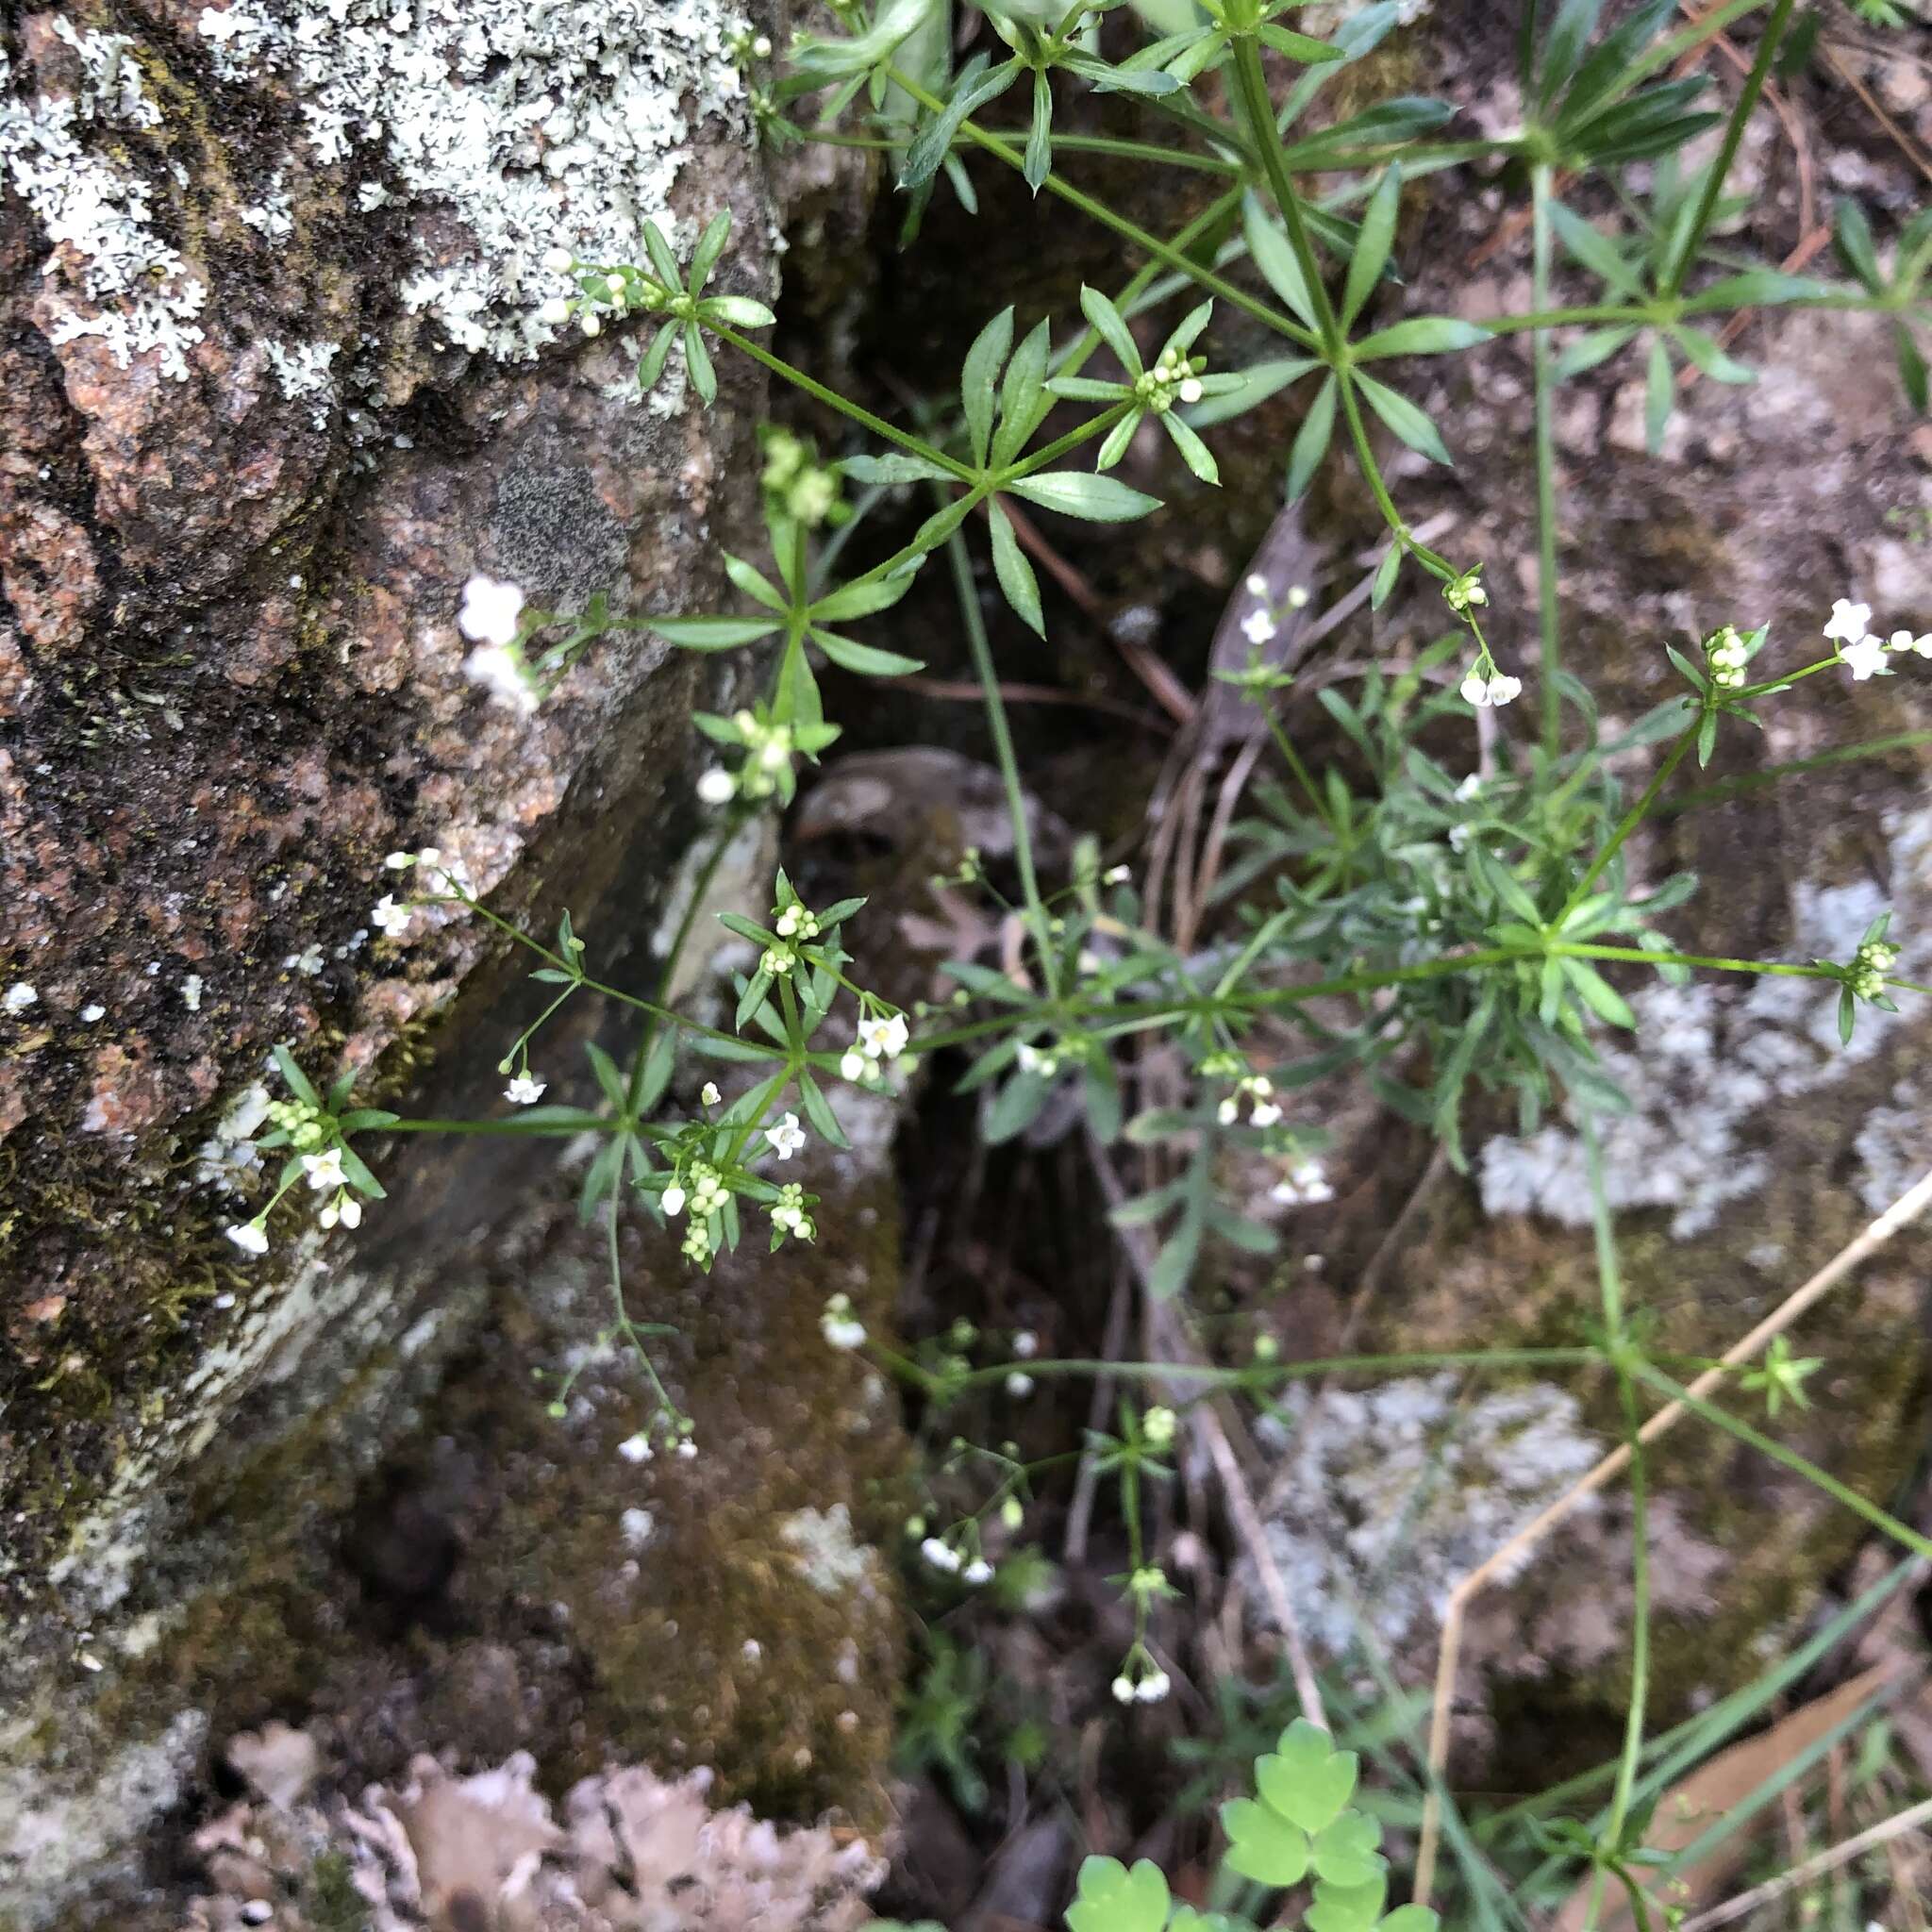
(532, 126)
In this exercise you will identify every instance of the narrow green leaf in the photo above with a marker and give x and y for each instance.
(1660, 396)
(1385, 577)
(1709, 358)
(1082, 493)
(1303, 47)
(1015, 575)
(1194, 452)
(1595, 251)
(752, 582)
(866, 659)
(1372, 248)
(1014, 1108)
(863, 599)
(651, 365)
(984, 361)
(697, 365)
(1404, 418)
(976, 87)
(1039, 160)
(711, 633)
(1275, 259)
(894, 469)
(1110, 326)
(1852, 237)
(739, 311)
(1248, 387)
(1424, 335)
(1311, 440)
(1597, 345)
(818, 1109)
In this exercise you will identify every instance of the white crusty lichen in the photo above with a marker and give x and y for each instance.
(1711, 1065)
(537, 125)
(116, 276)
(1389, 1496)
(829, 1555)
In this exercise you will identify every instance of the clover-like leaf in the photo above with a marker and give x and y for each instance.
(1347, 1907)
(1344, 1851)
(1262, 1844)
(1306, 1779)
(1113, 1899)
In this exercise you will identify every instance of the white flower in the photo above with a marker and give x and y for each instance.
(489, 611)
(883, 1037)
(1257, 626)
(1306, 1185)
(1115, 875)
(942, 1556)
(323, 1170)
(709, 1093)
(1019, 1385)
(1025, 1344)
(251, 1238)
(18, 998)
(590, 324)
(852, 1064)
(349, 1212)
(786, 1138)
(1900, 640)
(842, 1332)
(1190, 390)
(687, 1450)
(1297, 596)
(1862, 657)
(976, 1573)
(400, 861)
(526, 1090)
(1265, 1114)
(636, 1448)
(1152, 1690)
(1123, 1689)
(1459, 837)
(554, 312)
(1849, 622)
(1227, 1112)
(1472, 787)
(717, 786)
(1256, 586)
(560, 261)
(761, 47)
(1159, 1425)
(1474, 690)
(1922, 643)
(501, 672)
(389, 917)
(671, 1201)
(1504, 691)
(1030, 1059)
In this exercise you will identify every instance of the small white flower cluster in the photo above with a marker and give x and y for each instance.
(448, 878)
(1141, 1682)
(1726, 656)
(1870, 965)
(1493, 689)
(323, 1172)
(881, 1037)
(707, 1196)
(1305, 1185)
(491, 616)
(640, 1448)
(952, 1562)
(1296, 597)
(1030, 1059)
(1263, 1110)
(840, 1327)
(1861, 650)
(789, 1215)
(1462, 591)
(796, 923)
(771, 746)
(1175, 378)
(1158, 1428)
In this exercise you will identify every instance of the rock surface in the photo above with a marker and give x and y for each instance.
(270, 389)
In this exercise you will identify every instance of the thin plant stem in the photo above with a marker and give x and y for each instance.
(1734, 132)
(983, 668)
(1609, 1276)
(1631, 820)
(1543, 376)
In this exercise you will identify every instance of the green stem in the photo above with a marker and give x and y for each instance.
(831, 398)
(1773, 775)
(1879, 1519)
(1609, 1276)
(1631, 820)
(1003, 750)
(1542, 368)
(1253, 86)
(1149, 245)
(1734, 132)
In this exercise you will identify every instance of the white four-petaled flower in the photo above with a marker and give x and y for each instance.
(389, 917)
(323, 1170)
(526, 1089)
(1849, 622)
(1862, 657)
(490, 610)
(249, 1237)
(1257, 626)
(786, 1138)
(717, 786)
(882, 1036)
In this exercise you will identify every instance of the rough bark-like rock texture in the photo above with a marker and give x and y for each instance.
(271, 388)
